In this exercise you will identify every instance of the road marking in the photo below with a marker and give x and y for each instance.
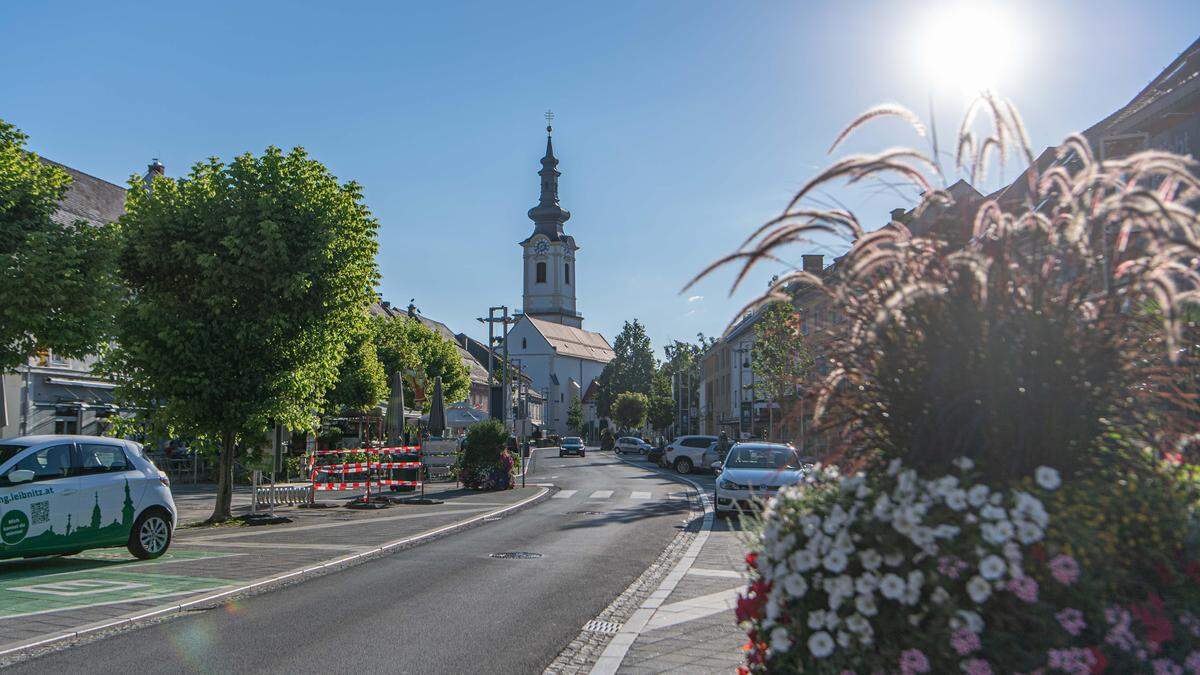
(323, 526)
(640, 495)
(269, 545)
(565, 494)
(77, 587)
(97, 586)
(725, 574)
(601, 494)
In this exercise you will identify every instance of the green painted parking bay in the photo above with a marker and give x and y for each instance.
(95, 578)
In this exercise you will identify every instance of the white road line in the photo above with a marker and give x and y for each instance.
(693, 608)
(601, 494)
(565, 494)
(640, 495)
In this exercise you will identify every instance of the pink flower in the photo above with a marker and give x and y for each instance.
(977, 667)
(1071, 620)
(1078, 661)
(1064, 569)
(1120, 634)
(1193, 663)
(964, 641)
(950, 566)
(1024, 588)
(913, 661)
(1167, 667)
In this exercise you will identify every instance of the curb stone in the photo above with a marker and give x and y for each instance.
(25, 651)
(583, 654)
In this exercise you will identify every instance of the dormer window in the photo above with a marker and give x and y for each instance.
(541, 273)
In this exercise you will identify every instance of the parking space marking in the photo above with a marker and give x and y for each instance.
(98, 586)
(77, 587)
(601, 494)
(565, 494)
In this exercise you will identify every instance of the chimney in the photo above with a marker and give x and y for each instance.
(386, 305)
(412, 308)
(153, 169)
(900, 215)
(814, 263)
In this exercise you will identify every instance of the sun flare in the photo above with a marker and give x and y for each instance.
(968, 47)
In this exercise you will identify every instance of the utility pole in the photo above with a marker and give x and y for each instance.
(500, 315)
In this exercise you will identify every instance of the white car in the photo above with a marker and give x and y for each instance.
(61, 495)
(685, 453)
(754, 472)
(631, 444)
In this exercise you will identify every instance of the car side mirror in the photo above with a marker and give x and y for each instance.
(20, 476)
(717, 465)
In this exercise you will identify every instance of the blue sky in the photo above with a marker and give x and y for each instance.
(680, 125)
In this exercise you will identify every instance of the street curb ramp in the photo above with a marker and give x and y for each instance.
(39, 646)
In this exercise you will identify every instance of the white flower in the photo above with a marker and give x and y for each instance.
(870, 559)
(841, 586)
(795, 585)
(893, 559)
(867, 583)
(964, 463)
(816, 619)
(977, 495)
(832, 620)
(843, 639)
(992, 567)
(957, 500)
(820, 644)
(780, 641)
(865, 604)
(910, 596)
(993, 512)
(803, 560)
(971, 620)
(996, 533)
(883, 508)
(978, 589)
(893, 467)
(835, 561)
(946, 531)
(862, 492)
(1028, 533)
(915, 579)
(892, 587)
(939, 596)
(1047, 477)
(857, 624)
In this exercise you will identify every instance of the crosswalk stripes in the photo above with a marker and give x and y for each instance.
(565, 494)
(640, 495)
(633, 494)
(601, 494)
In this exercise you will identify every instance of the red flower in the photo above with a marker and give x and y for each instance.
(1158, 627)
(743, 670)
(750, 606)
(1101, 660)
(752, 559)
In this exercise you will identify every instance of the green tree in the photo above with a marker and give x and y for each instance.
(58, 287)
(362, 382)
(629, 410)
(247, 281)
(660, 408)
(780, 359)
(408, 345)
(631, 369)
(575, 415)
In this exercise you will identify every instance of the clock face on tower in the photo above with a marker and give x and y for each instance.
(541, 247)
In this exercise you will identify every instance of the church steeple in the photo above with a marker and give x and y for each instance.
(548, 216)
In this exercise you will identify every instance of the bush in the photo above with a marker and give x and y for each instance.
(485, 463)
(607, 440)
(1036, 344)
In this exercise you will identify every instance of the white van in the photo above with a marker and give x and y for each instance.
(60, 495)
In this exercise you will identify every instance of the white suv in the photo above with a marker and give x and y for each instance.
(66, 494)
(685, 453)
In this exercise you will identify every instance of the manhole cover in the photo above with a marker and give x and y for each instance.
(606, 627)
(587, 513)
(517, 555)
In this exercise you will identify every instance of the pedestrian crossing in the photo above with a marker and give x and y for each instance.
(609, 494)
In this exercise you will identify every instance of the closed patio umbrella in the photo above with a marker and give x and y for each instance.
(395, 411)
(437, 410)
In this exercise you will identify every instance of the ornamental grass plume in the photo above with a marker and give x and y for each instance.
(1017, 329)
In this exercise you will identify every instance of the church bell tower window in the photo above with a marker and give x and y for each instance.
(567, 268)
(541, 272)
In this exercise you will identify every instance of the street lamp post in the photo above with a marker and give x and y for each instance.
(741, 351)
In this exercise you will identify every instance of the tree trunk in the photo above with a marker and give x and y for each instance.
(222, 511)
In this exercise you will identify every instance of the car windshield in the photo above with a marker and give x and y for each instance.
(763, 458)
(8, 451)
(573, 440)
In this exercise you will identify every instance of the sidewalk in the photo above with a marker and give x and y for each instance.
(97, 590)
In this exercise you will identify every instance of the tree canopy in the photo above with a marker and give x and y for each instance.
(58, 284)
(629, 409)
(247, 281)
(407, 345)
(362, 382)
(632, 368)
(781, 359)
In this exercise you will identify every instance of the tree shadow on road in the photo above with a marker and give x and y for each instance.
(633, 514)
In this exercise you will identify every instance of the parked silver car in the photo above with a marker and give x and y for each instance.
(753, 472)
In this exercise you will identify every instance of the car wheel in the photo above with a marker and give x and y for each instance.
(583, 454)
(151, 535)
(683, 465)
(561, 455)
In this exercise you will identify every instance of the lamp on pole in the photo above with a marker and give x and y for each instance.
(743, 363)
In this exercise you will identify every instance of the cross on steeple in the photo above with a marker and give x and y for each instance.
(549, 121)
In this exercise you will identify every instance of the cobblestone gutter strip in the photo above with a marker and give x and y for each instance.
(584, 653)
(11, 654)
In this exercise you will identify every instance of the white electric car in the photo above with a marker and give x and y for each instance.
(60, 495)
(753, 472)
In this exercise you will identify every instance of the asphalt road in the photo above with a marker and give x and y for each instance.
(444, 607)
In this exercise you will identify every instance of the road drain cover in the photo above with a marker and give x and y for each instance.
(597, 626)
(517, 555)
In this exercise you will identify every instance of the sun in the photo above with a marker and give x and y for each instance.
(968, 47)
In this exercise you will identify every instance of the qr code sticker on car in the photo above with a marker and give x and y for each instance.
(39, 512)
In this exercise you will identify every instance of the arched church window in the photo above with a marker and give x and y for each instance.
(541, 273)
(567, 267)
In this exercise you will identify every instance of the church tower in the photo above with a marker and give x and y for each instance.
(549, 254)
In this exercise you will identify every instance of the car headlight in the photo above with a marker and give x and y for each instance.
(726, 484)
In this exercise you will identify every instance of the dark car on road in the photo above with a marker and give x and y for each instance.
(571, 445)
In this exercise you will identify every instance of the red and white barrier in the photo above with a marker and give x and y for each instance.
(343, 468)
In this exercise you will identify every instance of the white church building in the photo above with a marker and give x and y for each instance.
(548, 341)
